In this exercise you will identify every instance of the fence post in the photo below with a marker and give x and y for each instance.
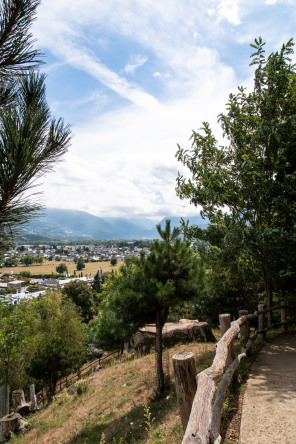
(284, 315)
(185, 374)
(224, 322)
(244, 329)
(261, 320)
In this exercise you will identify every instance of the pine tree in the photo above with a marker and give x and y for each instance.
(148, 289)
(30, 140)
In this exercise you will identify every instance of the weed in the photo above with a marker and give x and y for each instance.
(80, 387)
(155, 436)
(103, 439)
(61, 399)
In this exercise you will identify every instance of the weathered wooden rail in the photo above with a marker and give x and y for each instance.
(203, 425)
(86, 370)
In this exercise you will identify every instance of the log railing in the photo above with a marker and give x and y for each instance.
(203, 426)
(85, 371)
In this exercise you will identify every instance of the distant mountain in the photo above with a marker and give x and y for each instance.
(130, 226)
(56, 224)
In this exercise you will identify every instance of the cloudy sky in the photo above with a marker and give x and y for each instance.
(134, 78)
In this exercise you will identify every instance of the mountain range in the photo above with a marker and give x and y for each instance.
(57, 224)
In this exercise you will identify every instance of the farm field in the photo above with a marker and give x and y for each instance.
(49, 267)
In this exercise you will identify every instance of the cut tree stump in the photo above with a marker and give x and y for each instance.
(185, 374)
(19, 403)
(11, 423)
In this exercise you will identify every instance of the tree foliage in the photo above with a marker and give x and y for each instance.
(60, 349)
(81, 294)
(113, 261)
(80, 264)
(147, 289)
(18, 326)
(31, 141)
(247, 188)
(62, 268)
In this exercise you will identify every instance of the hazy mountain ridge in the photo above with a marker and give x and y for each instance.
(58, 224)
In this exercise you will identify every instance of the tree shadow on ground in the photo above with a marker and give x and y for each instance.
(130, 428)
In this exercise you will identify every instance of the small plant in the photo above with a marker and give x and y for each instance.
(80, 387)
(61, 398)
(103, 439)
(148, 421)
(155, 436)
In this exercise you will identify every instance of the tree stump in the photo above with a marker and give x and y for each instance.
(19, 404)
(11, 423)
(185, 374)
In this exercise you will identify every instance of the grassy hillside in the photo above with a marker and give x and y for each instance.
(117, 404)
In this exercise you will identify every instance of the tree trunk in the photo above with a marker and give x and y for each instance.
(53, 382)
(268, 290)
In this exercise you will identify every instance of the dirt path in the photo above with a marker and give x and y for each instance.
(269, 406)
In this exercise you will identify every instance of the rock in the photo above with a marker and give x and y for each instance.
(94, 351)
(173, 333)
(97, 353)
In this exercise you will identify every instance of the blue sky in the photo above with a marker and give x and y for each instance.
(134, 78)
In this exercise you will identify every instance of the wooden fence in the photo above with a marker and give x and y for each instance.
(203, 426)
(86, 370)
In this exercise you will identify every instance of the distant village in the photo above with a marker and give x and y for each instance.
(15, 287)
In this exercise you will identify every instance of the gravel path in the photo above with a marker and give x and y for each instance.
(269, 406)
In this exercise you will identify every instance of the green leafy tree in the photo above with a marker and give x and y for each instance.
(97, 283)
(11, 262)
(62, 268)
(146, 292)
(28, 260)
(80, 264)
(31, 142)
(61, 349)
(18, 326)
(113, 261)
(247, 188)
(81, 294)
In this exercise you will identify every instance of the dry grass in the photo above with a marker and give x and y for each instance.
(49, 267)
(116, 403)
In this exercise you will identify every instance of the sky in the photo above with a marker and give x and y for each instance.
(134, 79)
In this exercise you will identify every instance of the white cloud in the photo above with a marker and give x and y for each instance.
(135, 63)
(122, 162)
(229, 10)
